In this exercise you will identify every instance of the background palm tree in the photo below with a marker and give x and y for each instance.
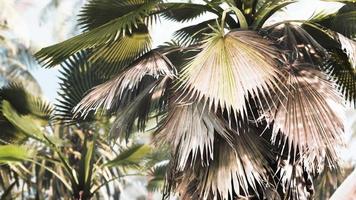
(247, 109)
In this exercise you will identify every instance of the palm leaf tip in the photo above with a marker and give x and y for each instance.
(229, 68)
(349, 47)
(190, 130)
(108, 94)
(245, 168)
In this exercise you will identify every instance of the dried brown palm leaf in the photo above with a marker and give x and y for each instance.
(190, 130)
(307, 120)
(109, 94)
(294, 181)
(238, 171)
(229, 68)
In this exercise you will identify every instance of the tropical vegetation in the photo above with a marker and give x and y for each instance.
(248, 109)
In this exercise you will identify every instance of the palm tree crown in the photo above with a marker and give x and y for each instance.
(248, 110)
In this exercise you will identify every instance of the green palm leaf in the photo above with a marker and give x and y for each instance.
(183, 12)
(194, 34)
(117, 34)
(156, 178)
(77, 77)
(131, 156)
(15, 153)
(98, 12)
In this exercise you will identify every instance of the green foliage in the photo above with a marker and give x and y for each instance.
(15, 153)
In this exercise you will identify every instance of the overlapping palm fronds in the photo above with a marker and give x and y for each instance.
(222, 84)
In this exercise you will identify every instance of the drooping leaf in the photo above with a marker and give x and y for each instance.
(121, 88)
(229, 68)
(190, 131)
(233, 173)
(307, 117)
(77, 77)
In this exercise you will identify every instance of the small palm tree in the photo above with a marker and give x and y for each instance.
(247, 109)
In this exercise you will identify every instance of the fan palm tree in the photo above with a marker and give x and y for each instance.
(248, 109)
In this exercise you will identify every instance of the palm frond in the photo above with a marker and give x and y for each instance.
(239, 173)
(194, 34)
(77, 77)
(297, 43)
(229, 68)
(190, 131)
(117, 34)
(156, 178)
(183, 12)
(307, 119)
(99, 12)
(344, 21)
(14, 153)
(349, 47)
(120, 89)
(139, 108)
(132, 156)
(340, 70)
(266, 8)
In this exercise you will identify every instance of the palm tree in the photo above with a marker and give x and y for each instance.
(248, 109)
(42, 159)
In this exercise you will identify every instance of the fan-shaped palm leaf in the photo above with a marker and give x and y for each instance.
(77, 77)
(117, 34)
(190, 130)
(193, 34)
(229, 68)
(343, 21)
(98, 12)
(109, 94)
(183, 12)
(308, 120)
(231, 174)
